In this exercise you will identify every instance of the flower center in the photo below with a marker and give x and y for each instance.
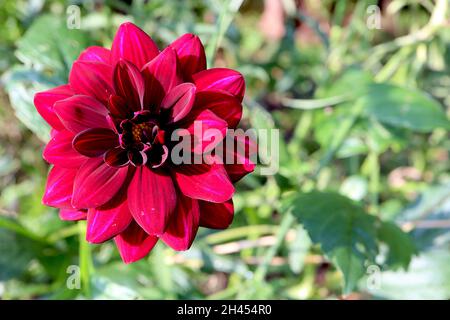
(141, 131)
(143, 139)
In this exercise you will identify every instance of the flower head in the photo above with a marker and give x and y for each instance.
(112, 128)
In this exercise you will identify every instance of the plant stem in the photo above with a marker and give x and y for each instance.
(374, 181)
(85, 256)
(285, 226)
(229, 9)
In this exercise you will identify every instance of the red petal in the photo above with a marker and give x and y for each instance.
(58, 191)
(129, 84)
(134, 45)
(103, 225)
(160, 76)
(45, 100)
(223, 104)
(95, 54)
(119, 107)
(184, 225)
(191, 54)
(95, 142)
(59, 151)
(204, 182)
(80, 112)
(72, 214)
(221, 79)
(92, 79)
(240, 156)
(179, 101)
(96, 183)
(116, 157)
(216, 215)
(152, 199)
(134, 244)
(207, 130)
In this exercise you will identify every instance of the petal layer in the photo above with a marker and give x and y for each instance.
(216, 215)
(184, 225)
(95, 142)
(93, 79)
(134, 244)
(105, 224)
(221, 79)
(81, 112)
(96, 183)
(59, 151)
(191, 54)
(44, 102)
(59, 187)
(160, 76)
(204, 182)
(133, 44)
(152, 199)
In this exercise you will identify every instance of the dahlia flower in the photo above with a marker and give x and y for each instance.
(111, 142)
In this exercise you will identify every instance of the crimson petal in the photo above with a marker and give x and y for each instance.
(59, 187)
(134, 244)
(81, 112)
(207, 130)
(44, 102)
(93, 79)
(59, 151)
(160, 76)
(204, 182)
(240, 156)
(95, 54)
(216, 215)
(221, 79)
(116, 157)
(119, 107)
(129, 84)
(96, 183)
(103, 225)
(95, 142)
(223, 104)
(184, 225)
(152, 199)
(179, 101)
(191, 54)
(72, 214)
(133, 44)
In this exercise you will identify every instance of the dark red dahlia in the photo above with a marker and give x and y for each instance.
(111, 142)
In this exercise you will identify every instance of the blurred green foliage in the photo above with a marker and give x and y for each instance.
(360, 206)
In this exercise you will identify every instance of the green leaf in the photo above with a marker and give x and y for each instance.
(16, 253)
(400, 245)
(345, 232)
(405, 108)
(355, 79)
(21, 85)
(49, 44)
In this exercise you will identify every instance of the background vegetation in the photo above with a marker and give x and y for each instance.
(360, 207)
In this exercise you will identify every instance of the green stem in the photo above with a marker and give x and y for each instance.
(339, 137)
(85, 256)
(374, 181)
(229, 9)
(241, 232)
(285, 226)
